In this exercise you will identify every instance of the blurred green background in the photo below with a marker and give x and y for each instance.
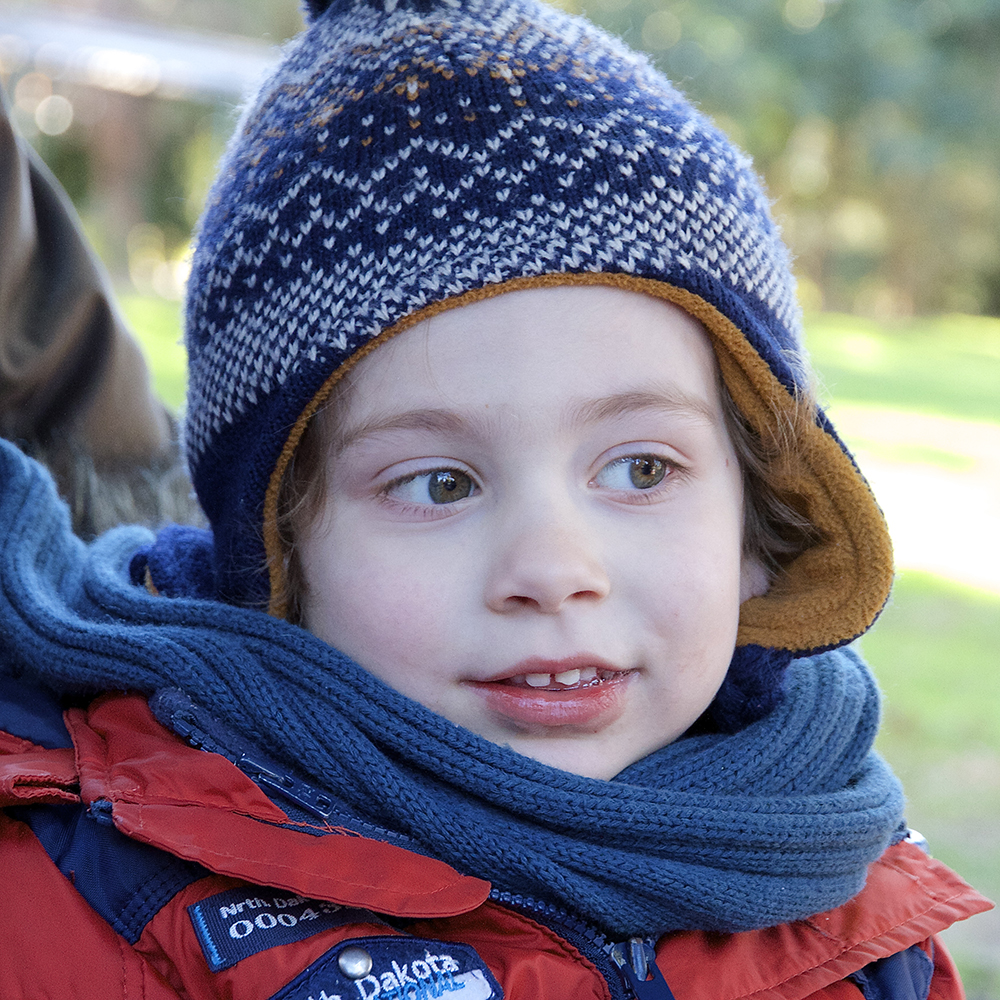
(876, 124)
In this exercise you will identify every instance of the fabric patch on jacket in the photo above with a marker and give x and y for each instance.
(903, 976)
(238, 923)
(394, 968)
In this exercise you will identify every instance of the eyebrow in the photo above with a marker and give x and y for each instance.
(434, 420)
(587, 411)
(667, 399)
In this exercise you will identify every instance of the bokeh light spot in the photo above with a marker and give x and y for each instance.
(54, 114)
(661, 30)
(803, 15)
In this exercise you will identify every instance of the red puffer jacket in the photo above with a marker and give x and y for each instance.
(134, 866)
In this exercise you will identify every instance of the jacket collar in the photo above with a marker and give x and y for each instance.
(200, 806)
(907, 898)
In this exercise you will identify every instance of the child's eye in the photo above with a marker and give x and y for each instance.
(633, 472)
(436, 487)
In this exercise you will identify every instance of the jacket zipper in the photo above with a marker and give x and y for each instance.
(628, 967)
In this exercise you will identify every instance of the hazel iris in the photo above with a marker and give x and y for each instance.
(646, 471)
(448, 485)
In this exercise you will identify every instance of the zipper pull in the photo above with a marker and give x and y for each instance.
(191, 722)
(636, 961)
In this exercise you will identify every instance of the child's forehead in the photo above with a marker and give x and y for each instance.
(596, 350)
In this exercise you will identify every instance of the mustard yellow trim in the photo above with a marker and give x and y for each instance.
(828, 595)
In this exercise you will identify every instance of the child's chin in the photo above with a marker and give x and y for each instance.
(594, 760)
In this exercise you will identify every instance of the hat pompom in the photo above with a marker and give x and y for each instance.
(314, 8)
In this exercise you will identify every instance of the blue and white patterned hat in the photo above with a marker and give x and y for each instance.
(413, 155)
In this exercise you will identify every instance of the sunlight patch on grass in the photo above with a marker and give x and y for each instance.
(914, 454)
(945, 364)
(157, 325)
(934, 650)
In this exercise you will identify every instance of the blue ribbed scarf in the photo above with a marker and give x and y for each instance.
(715, 832)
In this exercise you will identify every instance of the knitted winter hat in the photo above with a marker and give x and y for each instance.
(410, 156)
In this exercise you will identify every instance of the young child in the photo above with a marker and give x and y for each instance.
(515, 662)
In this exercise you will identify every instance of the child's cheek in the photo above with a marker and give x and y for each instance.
(382, 604)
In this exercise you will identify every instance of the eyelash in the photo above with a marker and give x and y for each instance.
(428, 510)
(636, 495)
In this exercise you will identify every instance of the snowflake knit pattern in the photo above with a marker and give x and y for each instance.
(407, 155)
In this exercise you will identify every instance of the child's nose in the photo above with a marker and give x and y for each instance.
(544, 568)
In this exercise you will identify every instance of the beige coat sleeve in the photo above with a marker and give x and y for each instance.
(74, 387)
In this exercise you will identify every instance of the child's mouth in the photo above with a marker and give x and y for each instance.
(575, 693)
(576, 677)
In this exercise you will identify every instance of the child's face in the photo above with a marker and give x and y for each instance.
(533, 524)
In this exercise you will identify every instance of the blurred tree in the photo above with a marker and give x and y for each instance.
(135, 149)
(875, 122)
(273, 20)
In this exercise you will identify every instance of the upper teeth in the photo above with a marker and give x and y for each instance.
(567, 677)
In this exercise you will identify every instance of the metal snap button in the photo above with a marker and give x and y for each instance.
(354, 962)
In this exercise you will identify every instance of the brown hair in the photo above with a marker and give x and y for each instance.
(774, 530)
(302, 495)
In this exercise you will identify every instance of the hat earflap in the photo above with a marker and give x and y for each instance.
(753, 686)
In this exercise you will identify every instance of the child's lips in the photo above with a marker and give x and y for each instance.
(580, 691)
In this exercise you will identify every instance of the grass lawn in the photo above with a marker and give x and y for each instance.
(935, 649)
(157, 324)
(949, 365)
